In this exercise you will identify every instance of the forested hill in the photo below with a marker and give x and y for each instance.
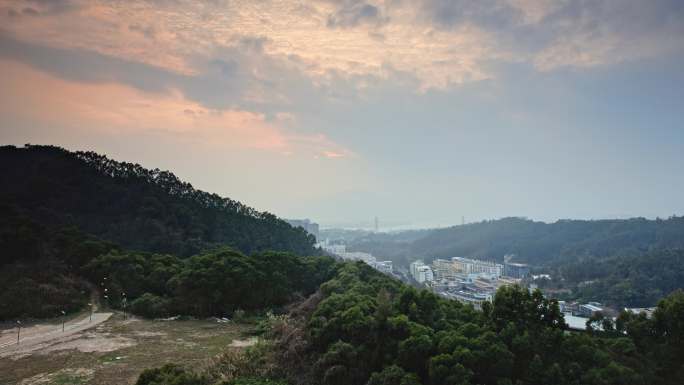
(534, 242)
(137, 208)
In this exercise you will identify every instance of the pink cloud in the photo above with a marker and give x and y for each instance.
(112, 108)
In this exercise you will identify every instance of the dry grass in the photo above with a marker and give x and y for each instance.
(148, 344)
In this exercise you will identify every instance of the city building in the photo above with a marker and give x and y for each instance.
(341, 251)
(424, 274)
(516, 270)
(421, 272)
(332, 248)
(383, 266)
(638, 310)
(413, 267)
(443, 269)
(589, 309)
(474, 298)
(358, 256)
(463, 279)
(568, 307)
(474, 266)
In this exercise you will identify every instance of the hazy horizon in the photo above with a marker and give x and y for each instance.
(419, 113)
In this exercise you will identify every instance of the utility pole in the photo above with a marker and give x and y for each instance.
(124, 303)
(104, 289)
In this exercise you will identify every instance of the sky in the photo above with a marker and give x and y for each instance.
(419, 112)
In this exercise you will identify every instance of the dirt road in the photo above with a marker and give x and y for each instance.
(39, 336)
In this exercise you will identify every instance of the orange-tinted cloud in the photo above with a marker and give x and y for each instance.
(440, 43)
(113, 108)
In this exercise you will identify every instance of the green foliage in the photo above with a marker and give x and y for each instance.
(220, 282)
(529, 311)
(40, 266)
(65, 265)
(254, 381)
(140, 209)
(624, 263)
(535, 242)
(170, 374)
(55, 205)
(393, 375)
(223, 281)
(151, 306)
(368, 330)
(632, 281)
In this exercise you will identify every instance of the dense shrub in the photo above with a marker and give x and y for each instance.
(139, 209)
(368, 330)
(254, 381)
(151, 306)
(170, 374)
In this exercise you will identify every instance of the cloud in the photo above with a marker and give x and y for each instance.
(580, 34)
(591, 34)
(147, 31)
(290, 35)
(440, 43)
(87, 66)
(353, 13)
(115, 109)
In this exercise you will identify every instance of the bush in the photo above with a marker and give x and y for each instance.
(150, 306)
(170, 374)
(239, 315)
(254, 381)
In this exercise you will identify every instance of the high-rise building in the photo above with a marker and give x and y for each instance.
(424, 274)
(413, 267)
(421, 272)
(443, 269)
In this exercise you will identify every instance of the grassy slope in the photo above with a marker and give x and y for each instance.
(189, 343)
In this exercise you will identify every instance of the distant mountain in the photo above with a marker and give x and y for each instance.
(136, 208)
(538, 243)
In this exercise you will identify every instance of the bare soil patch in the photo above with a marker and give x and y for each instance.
(116, 351)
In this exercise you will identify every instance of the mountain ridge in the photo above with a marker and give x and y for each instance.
(135, 207)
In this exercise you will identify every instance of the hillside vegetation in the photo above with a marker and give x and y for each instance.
(136, 208)
(72, 222)
(632, 262)
(537, 243)
(45, 270)
(364, 328)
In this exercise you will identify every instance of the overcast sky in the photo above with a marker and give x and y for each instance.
(418, 112)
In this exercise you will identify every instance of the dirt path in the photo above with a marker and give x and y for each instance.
(39, 336)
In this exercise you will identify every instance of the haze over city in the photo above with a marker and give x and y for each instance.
(419, 113)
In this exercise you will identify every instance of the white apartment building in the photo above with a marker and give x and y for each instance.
(421, 272)
(424, 274)
(358, 256)
(473, 266)
(384, 266)
(443, 269)
(413, 267)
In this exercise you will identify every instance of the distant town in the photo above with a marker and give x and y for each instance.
(341, 252)
(469, 280)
